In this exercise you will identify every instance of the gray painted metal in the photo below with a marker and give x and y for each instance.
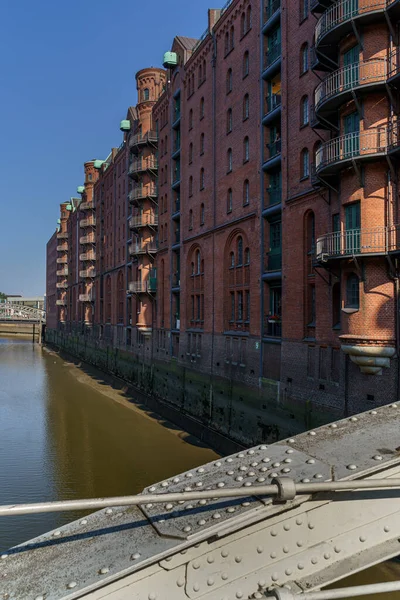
(12, 311)
(228, 549)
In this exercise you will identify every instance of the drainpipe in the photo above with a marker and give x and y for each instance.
(214, 139)
(262, 196)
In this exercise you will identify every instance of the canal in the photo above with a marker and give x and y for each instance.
(65, 434)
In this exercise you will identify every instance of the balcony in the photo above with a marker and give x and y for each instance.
(273, 267)
(340, 19)
(87, 274)
(87, 239)
(274, 206)
(86, 206)
(90, 297)
(177, 117)
(142, 139)
(274, 159)
(272, 14)
(176, 149)
(141, 192)
(62, 260)
(273, 105)
(62, 272)
(62, 248)
(339, 87)
(272, 61)
(143, 248)
(358, 242)
(91, 256)
(176, 281)
(89, 222)
(334, 155)
(145, 220)
(318, 6)
(176, 178)
(61, 302)
(61, 285)
(143, 287)
(62, 235)
(141, 165)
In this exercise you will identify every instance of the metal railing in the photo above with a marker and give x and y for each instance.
(337, 594)
(87, 297)
(61, 302)
(146, 220)
(176, 176)
(87, 256)
(275, 195)
(273, 101)
(61, 285)
(138, 287)
(375, 140)
(271, 7)
(62, 248)
(62, 272)
(86, 206)
(141, 191)
(143, 164)
(143, 138)
(87, 273)
(87, 239)
(349, 77)
(145, 248)
(343, 11)
(272, 327)
(62, 260)
(89, 222)
(274, 149)
(272, 54)
(62, 235)
(354, 242)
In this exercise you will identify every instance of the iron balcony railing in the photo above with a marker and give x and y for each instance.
(146, 220)
(61, 302)
(87, 273)
(143, 248)
(352, 76)
(86, 206)
(89, 222)
(271, 7)
(273, 101)
(62, 260)
(272, 54)
(177, 145)
(149, 163)
(345, 11)
(87, 256)
(176, 280)
(62, 235)
(87, 239)
(376, 140)
(90, 297)
(150, 137)
(62, 248)
(176, 176)
(274, 149)
(62, 272)
(143, 191)
(61, 285)
(275, 195)
(177, 206)
(143, 287)
(356, 242)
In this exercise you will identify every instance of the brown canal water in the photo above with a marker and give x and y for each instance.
(65, 435)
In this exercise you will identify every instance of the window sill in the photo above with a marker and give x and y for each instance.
(227, 53)
(349, 310)
(201, 117)
(245, 33)
(230, 171)
(228, 92)
(229, 131)
(245, 118)
(246, 160)
(304, 125)
(304, 73)
(246, 203)
(302, 19)
(304, 178)
(337, 327)
(245, 75)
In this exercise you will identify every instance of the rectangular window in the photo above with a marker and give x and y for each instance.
(247, 305)
(192, 311)
(198, 308)
(240, 306)
(353, 227)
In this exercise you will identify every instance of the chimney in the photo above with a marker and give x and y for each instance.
(213, 16)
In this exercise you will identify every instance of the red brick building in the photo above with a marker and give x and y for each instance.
(51, 282)
(241, 244)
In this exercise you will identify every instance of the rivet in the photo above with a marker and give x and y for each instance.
(337, 549)
(239, 594)
(274, 576)
(230, 472)
(352, 467)
(258, 595)
(285, 549)
(318, 476)
(153, 488)
(266, 460)
(84, 522)
(260, 479)
(201, 470)
(287, 460)
(327, 556)
(241, 455)
(386, 529)
(224, 553)
(229, 460)
(290, 451)
(362, 538)
(264, 469)
(262, 583)
(168, 559)
(286, 527)
(104, 571)
(353, 419)
(260, 549)
(187, 529)
(189, 507)
(250, 474)
(254, 464)
(274, 532)
(248, 484)
(199, 484)
(196, 565)
(377, 457)
(3, 556)
(314, 560)
(238, 559)
(240, 478)
(312, 433)
(373, 412)
(39, 598)
(181, 502)
(152, 596)
(250, 452)
(286, 470)
(176, 480)
(291, 441)
(180, 582)
(311, 461)
(274, 475)
(210, 559)
(224, 576)
(305, 481)
(169, 506)
(201, 522)
(333, 426)
(210, 581)
(300, 543)
(288, 571)
(164, 484)
(243, 468)
(273, 555)
(311, 526)
(276, 464)
(188, 489)
(190, 474)
(218, 464)
(299, 521)
(202, 502)
(231, 509)
(263, 447)
(135, 556)
(109, 511)
(147, 506)
(300, 566)
(196, 587)
(393, 406)
(221, 484)
(216, 516)
(71, 585)
(245, 504)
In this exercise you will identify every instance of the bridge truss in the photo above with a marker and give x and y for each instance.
(198, 542)
(13, 311)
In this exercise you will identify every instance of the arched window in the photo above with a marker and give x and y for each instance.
(202, 179)
(229, 81)
(146, 94)
(239, 252)
(190, 153)
(190, 186)
(201, 108)
(304, 58)
(200, 75)
(202, 214)
(162, 148)
(243, 27)
(229, 120)
(246, 107)
(247, 256)
(232, 260)
(246, 64)
(192, 83)
(202, 144)
(352, 291)
(190, 119)
(198, 262)
(303, 9)
(317, 153)
(304, 111)
(166, 233)
(190, 219)
(226, 42)
(204, 70)
(246, 149)
(229, 160)
(232, 38)
(162, 233)
(229, 201)
(246, 192)
(248, 18)
(336, 305)
(305, 163)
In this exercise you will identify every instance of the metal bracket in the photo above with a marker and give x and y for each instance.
(286, 487)
(327, 281)
(357, 103)
(358, 171)
(391, 28)
(325, 182)
(358, 268)
(357, 34)
(391, 167)
(329, 124)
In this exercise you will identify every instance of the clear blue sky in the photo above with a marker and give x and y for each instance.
(66, 79)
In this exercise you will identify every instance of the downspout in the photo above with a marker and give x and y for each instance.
(262, 196)
(214, 138)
